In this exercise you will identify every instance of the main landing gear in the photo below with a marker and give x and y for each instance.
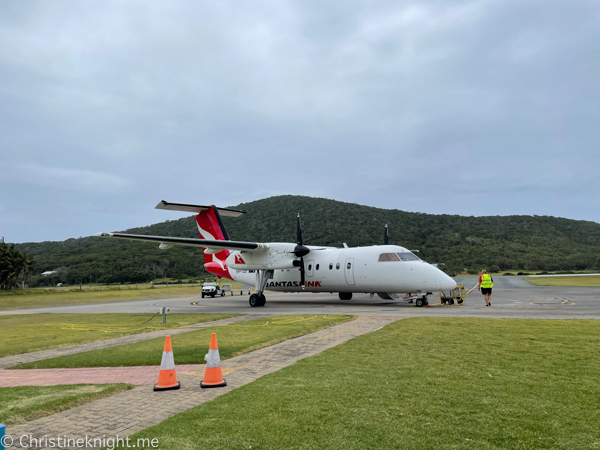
(345, 295)
(258, 299)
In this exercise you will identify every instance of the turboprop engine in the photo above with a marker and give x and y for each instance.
(275, 256)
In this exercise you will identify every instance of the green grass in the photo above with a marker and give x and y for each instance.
(516, 271)
(33, 332)
(44, 297)
(420, 383)
(27, 403)
(565, 281)
(190, 348)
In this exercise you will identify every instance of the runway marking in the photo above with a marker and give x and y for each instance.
(564, 301)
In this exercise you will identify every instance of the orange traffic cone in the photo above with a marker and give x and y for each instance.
(167, 379)
(213, 376)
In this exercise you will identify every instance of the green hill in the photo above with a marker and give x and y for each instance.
(494, 242)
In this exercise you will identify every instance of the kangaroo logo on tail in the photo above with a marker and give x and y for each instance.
(211, 228)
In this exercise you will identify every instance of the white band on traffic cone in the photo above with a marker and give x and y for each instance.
(212, 358)
(167, 362)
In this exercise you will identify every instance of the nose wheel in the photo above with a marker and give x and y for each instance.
(421, 301)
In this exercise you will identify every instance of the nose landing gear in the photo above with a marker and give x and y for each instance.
(421, 301)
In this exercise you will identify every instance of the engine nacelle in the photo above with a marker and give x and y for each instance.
(277, 256)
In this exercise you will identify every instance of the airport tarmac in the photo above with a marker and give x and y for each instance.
(513, 297)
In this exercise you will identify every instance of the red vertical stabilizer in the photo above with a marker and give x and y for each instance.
(210, 227)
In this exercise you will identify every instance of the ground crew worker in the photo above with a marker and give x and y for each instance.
(486, 283)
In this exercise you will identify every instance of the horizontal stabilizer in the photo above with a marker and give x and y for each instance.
(226, 212)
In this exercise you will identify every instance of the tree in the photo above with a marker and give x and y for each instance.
(28, 265)
(13, 263)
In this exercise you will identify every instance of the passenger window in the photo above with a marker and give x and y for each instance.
(388, 257)
(317, 267)
(330, 266)
(337, 266)
(349, 266)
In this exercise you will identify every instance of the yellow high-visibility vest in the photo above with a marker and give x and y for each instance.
(486, 282)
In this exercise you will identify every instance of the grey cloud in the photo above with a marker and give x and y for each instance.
(468, 107)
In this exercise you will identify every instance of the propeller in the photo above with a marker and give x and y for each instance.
(385, 236)
(300, 250)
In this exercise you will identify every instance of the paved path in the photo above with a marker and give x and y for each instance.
(10, 361)
(136, 375)
(129, 412)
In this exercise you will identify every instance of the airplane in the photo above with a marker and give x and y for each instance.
(385, 270)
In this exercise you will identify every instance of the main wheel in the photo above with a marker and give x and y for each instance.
(425, 301)
(263, 300)
(254, 300)
(419, 302)
(345, 295)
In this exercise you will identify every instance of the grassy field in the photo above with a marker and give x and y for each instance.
(420, 383)
(32, 332)
(565, 281)
(190, 348)
(44, 297)
(23, 404)
(515, 272)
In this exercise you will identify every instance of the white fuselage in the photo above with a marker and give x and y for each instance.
(356, 269)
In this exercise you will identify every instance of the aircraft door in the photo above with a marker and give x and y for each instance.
(349, 271)
(310, 265)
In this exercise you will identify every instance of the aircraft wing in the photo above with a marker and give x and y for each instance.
(205, 243)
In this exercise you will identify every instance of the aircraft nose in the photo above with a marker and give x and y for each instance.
(446, 283)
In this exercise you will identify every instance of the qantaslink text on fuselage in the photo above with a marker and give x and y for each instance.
(293, 284)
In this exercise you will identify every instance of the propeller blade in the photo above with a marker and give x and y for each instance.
(385, 236)
(300, 250)
(298, 231)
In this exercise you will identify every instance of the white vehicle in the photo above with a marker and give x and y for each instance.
(385, 270)
(211, 289)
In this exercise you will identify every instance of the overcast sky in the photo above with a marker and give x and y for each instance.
(460, 107)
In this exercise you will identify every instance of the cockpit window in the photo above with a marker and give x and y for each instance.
(407, 256)
(402, 256)
(388, 257)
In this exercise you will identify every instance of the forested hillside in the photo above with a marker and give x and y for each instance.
(496, 243)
